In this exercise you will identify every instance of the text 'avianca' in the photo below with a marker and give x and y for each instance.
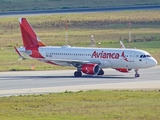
(105, 55)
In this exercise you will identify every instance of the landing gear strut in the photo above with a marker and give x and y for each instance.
(101, 72)
(77, 73)
(136, 71)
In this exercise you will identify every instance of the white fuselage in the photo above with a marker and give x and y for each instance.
(105, 57)
(87, 60)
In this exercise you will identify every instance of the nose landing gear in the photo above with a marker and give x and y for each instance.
(136, 73)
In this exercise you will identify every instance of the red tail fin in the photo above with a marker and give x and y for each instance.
(30, 39)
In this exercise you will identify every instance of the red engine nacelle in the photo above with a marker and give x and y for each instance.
(124, 70)
(90, 69)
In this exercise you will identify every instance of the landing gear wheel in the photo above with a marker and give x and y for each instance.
(136, 71)
(101, 72)
(137, 75)
(77, 74)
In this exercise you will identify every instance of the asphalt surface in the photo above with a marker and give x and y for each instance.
(37, 82)
(80, 10)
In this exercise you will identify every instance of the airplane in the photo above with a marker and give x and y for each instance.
(86, 60)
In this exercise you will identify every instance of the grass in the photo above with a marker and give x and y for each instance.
(83, 105)
(14, 5)
(107, 28)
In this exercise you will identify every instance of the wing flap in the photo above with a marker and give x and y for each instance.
(74, 62)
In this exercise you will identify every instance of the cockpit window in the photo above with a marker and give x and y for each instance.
(144, 56)
(148, 55)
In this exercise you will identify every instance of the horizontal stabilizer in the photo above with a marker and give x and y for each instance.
(21, 57)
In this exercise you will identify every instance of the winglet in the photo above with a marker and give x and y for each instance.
(121, 44)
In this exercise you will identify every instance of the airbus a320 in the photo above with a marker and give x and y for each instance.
(86, 60)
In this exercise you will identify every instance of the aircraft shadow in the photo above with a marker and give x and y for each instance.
(82, 77)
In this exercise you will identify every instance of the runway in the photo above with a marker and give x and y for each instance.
(79, 10)
(38, 82)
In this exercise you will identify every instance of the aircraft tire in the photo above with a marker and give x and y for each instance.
(137, 75)
(77, 74)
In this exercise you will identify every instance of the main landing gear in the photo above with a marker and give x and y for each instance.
(77, 73)
(136, 71)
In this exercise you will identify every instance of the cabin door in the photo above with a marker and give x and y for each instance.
(131, 58)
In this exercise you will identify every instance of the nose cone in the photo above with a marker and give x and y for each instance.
(153, 62)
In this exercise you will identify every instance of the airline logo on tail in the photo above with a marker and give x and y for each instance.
(29, 37)
(31, 42)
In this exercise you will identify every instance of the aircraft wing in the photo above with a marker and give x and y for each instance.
(74, 62)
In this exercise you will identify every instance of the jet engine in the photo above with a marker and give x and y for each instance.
(123, 70)
(90, 69)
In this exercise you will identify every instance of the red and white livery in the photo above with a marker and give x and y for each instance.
(87, 60)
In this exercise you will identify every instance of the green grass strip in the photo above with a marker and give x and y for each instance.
(89, 105)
